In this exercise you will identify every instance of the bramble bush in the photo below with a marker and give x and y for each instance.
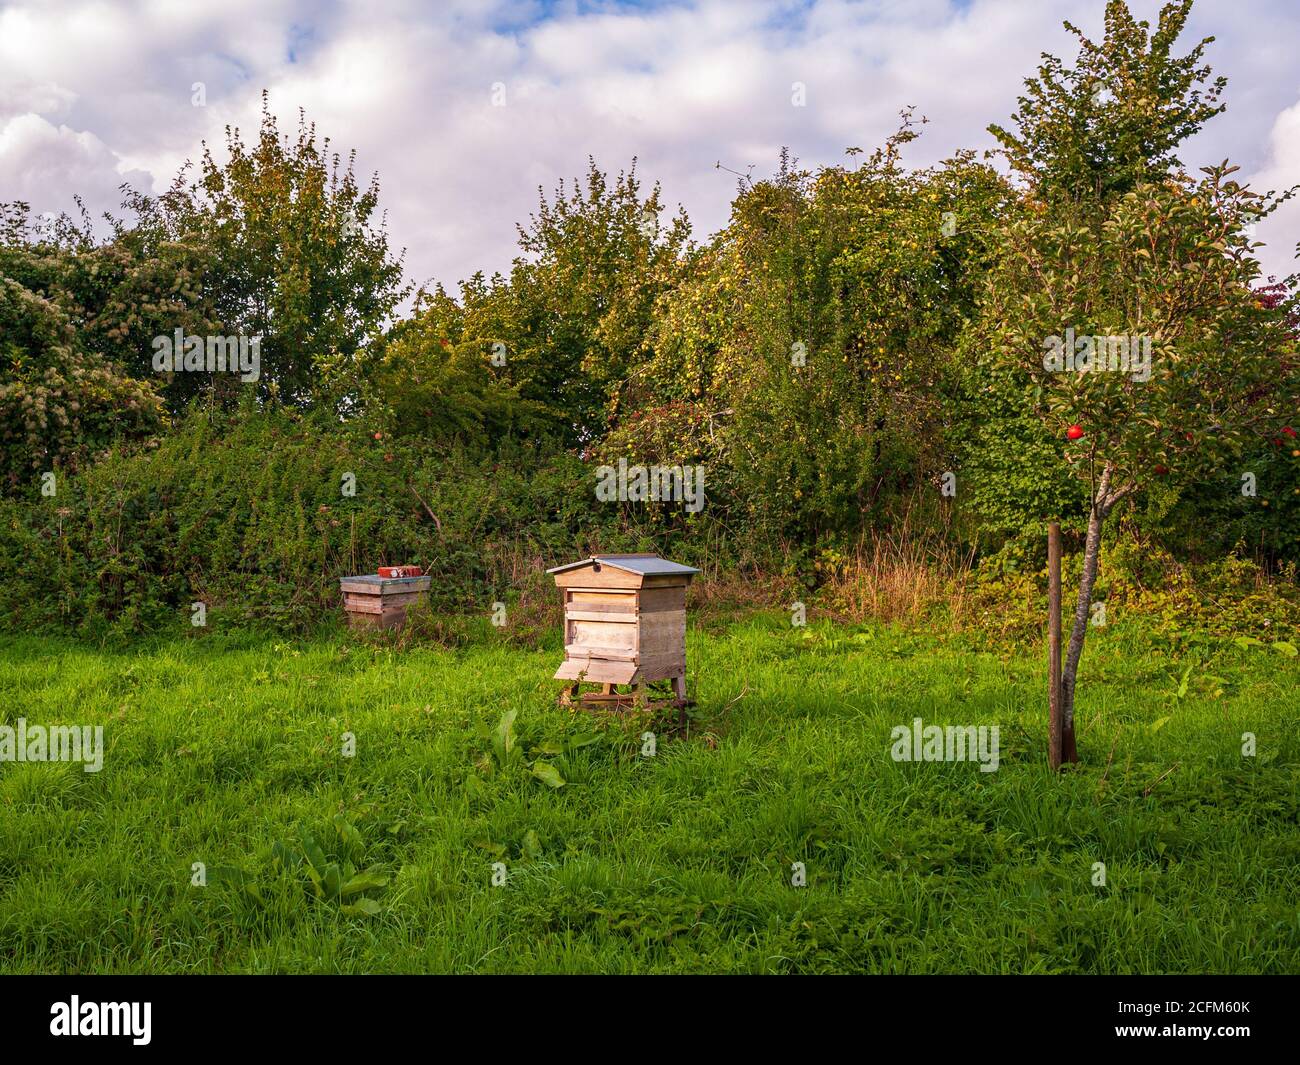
(246, 513)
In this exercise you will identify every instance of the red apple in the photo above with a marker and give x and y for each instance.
(1075, 432)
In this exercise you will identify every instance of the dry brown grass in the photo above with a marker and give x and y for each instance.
(894, 577)
(899, 576)
(733, 592)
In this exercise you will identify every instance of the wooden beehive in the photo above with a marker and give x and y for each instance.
(375, 602)
(624, 621)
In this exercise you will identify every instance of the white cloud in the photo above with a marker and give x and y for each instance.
(36, 156)
(1281, 230)
(92, 92)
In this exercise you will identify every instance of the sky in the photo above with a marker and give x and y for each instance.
(465, 109)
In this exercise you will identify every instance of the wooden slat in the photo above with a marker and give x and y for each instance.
(666, 580)
(391, 618)
(626, 609)
(602, 634)
(587, 577)
(613, 614)
(613, 599)
(657, 600)
(604, 617)
(375, 604)
(597, 670)
(584, 650)
(385, 585)
(661, 667)
(663, 633)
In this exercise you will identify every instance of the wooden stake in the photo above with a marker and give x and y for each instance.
(1054, 722)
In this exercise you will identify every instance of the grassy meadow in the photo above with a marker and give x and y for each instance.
(228, 751)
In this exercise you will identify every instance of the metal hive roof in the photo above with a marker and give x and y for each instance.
(645, 565)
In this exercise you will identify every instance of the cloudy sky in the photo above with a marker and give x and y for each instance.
(96, 93)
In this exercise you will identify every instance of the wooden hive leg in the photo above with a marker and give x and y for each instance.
(679, 690)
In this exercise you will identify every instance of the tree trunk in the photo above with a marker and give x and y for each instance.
(1102, 503)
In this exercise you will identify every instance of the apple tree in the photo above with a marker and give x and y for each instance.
(1122, 309)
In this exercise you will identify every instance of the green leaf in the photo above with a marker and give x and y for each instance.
(1247, 641)
(312, 851)
(316, 882)
(348, 833)
(332, 880)
(532, 846)
(361, 908)
(548, 774)
(1288, 649)
(1159, 723)
(364, 881)
(503, 739)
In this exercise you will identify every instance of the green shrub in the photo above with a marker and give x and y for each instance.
(249, 516)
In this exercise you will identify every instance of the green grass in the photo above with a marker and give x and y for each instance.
(217, 747)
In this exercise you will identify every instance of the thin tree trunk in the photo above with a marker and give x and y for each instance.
(1103, 502)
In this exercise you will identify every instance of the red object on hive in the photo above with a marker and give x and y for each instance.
(397, 572)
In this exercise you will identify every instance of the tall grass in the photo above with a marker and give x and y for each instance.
(901, 575)
(220, 747)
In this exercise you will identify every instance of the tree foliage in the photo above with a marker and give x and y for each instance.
(61, 400)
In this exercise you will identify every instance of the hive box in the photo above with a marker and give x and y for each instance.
(624, 620)
(375, 602)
